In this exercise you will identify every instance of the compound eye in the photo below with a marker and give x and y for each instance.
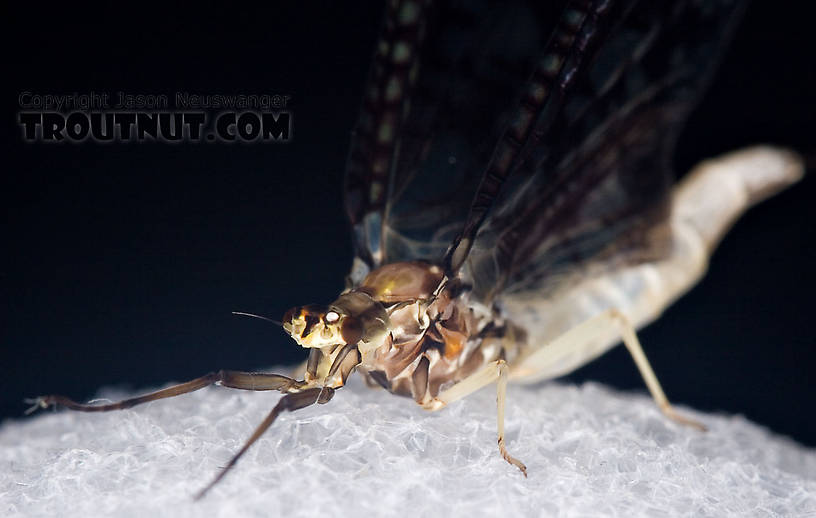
(352, 330)
(332, 317)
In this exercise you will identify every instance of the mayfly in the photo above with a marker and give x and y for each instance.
(511, 200)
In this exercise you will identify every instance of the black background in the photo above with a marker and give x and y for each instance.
(121, 262)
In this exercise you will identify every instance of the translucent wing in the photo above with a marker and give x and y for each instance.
(375, 142)
(443, 84)
(535, 142)
(594, 187)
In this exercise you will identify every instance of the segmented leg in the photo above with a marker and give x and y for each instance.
(495, 371)
(290, 403)
(297, 398)
(583, 335)
(232, 379)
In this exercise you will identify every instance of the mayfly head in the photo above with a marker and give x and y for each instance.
(319, 326)
(355, 318)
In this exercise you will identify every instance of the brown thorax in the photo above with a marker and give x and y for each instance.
(405, 326)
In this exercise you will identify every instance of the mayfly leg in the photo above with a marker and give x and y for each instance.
(232, 379)
(582, 335)
(288, 403)
(493, 372)
(296, 398)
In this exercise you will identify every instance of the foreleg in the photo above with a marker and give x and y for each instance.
(232, 379)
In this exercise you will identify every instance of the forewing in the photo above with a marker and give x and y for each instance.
(535, 139)
(593, 192)
(375, 140)
(430, 122)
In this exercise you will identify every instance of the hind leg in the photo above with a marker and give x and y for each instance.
(583, 335)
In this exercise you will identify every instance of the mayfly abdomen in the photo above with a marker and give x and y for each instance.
(704, 206)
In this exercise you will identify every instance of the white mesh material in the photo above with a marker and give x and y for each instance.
(590, 451)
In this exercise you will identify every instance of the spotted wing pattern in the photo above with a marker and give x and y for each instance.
(416, 156)
(532, 143)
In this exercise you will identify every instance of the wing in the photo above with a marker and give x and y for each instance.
(443, 83)
(596, 181)
(538, 144)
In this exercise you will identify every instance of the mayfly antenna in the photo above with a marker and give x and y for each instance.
(276, 322)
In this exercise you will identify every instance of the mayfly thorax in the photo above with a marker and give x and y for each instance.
(512, 204)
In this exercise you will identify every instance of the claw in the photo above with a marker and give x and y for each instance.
(36, 403)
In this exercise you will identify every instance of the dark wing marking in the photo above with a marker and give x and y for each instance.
(371, 157)
(569, 165)
(595, 191)
(581, 28)
(473, 59)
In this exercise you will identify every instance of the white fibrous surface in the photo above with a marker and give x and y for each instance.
(589, 450)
